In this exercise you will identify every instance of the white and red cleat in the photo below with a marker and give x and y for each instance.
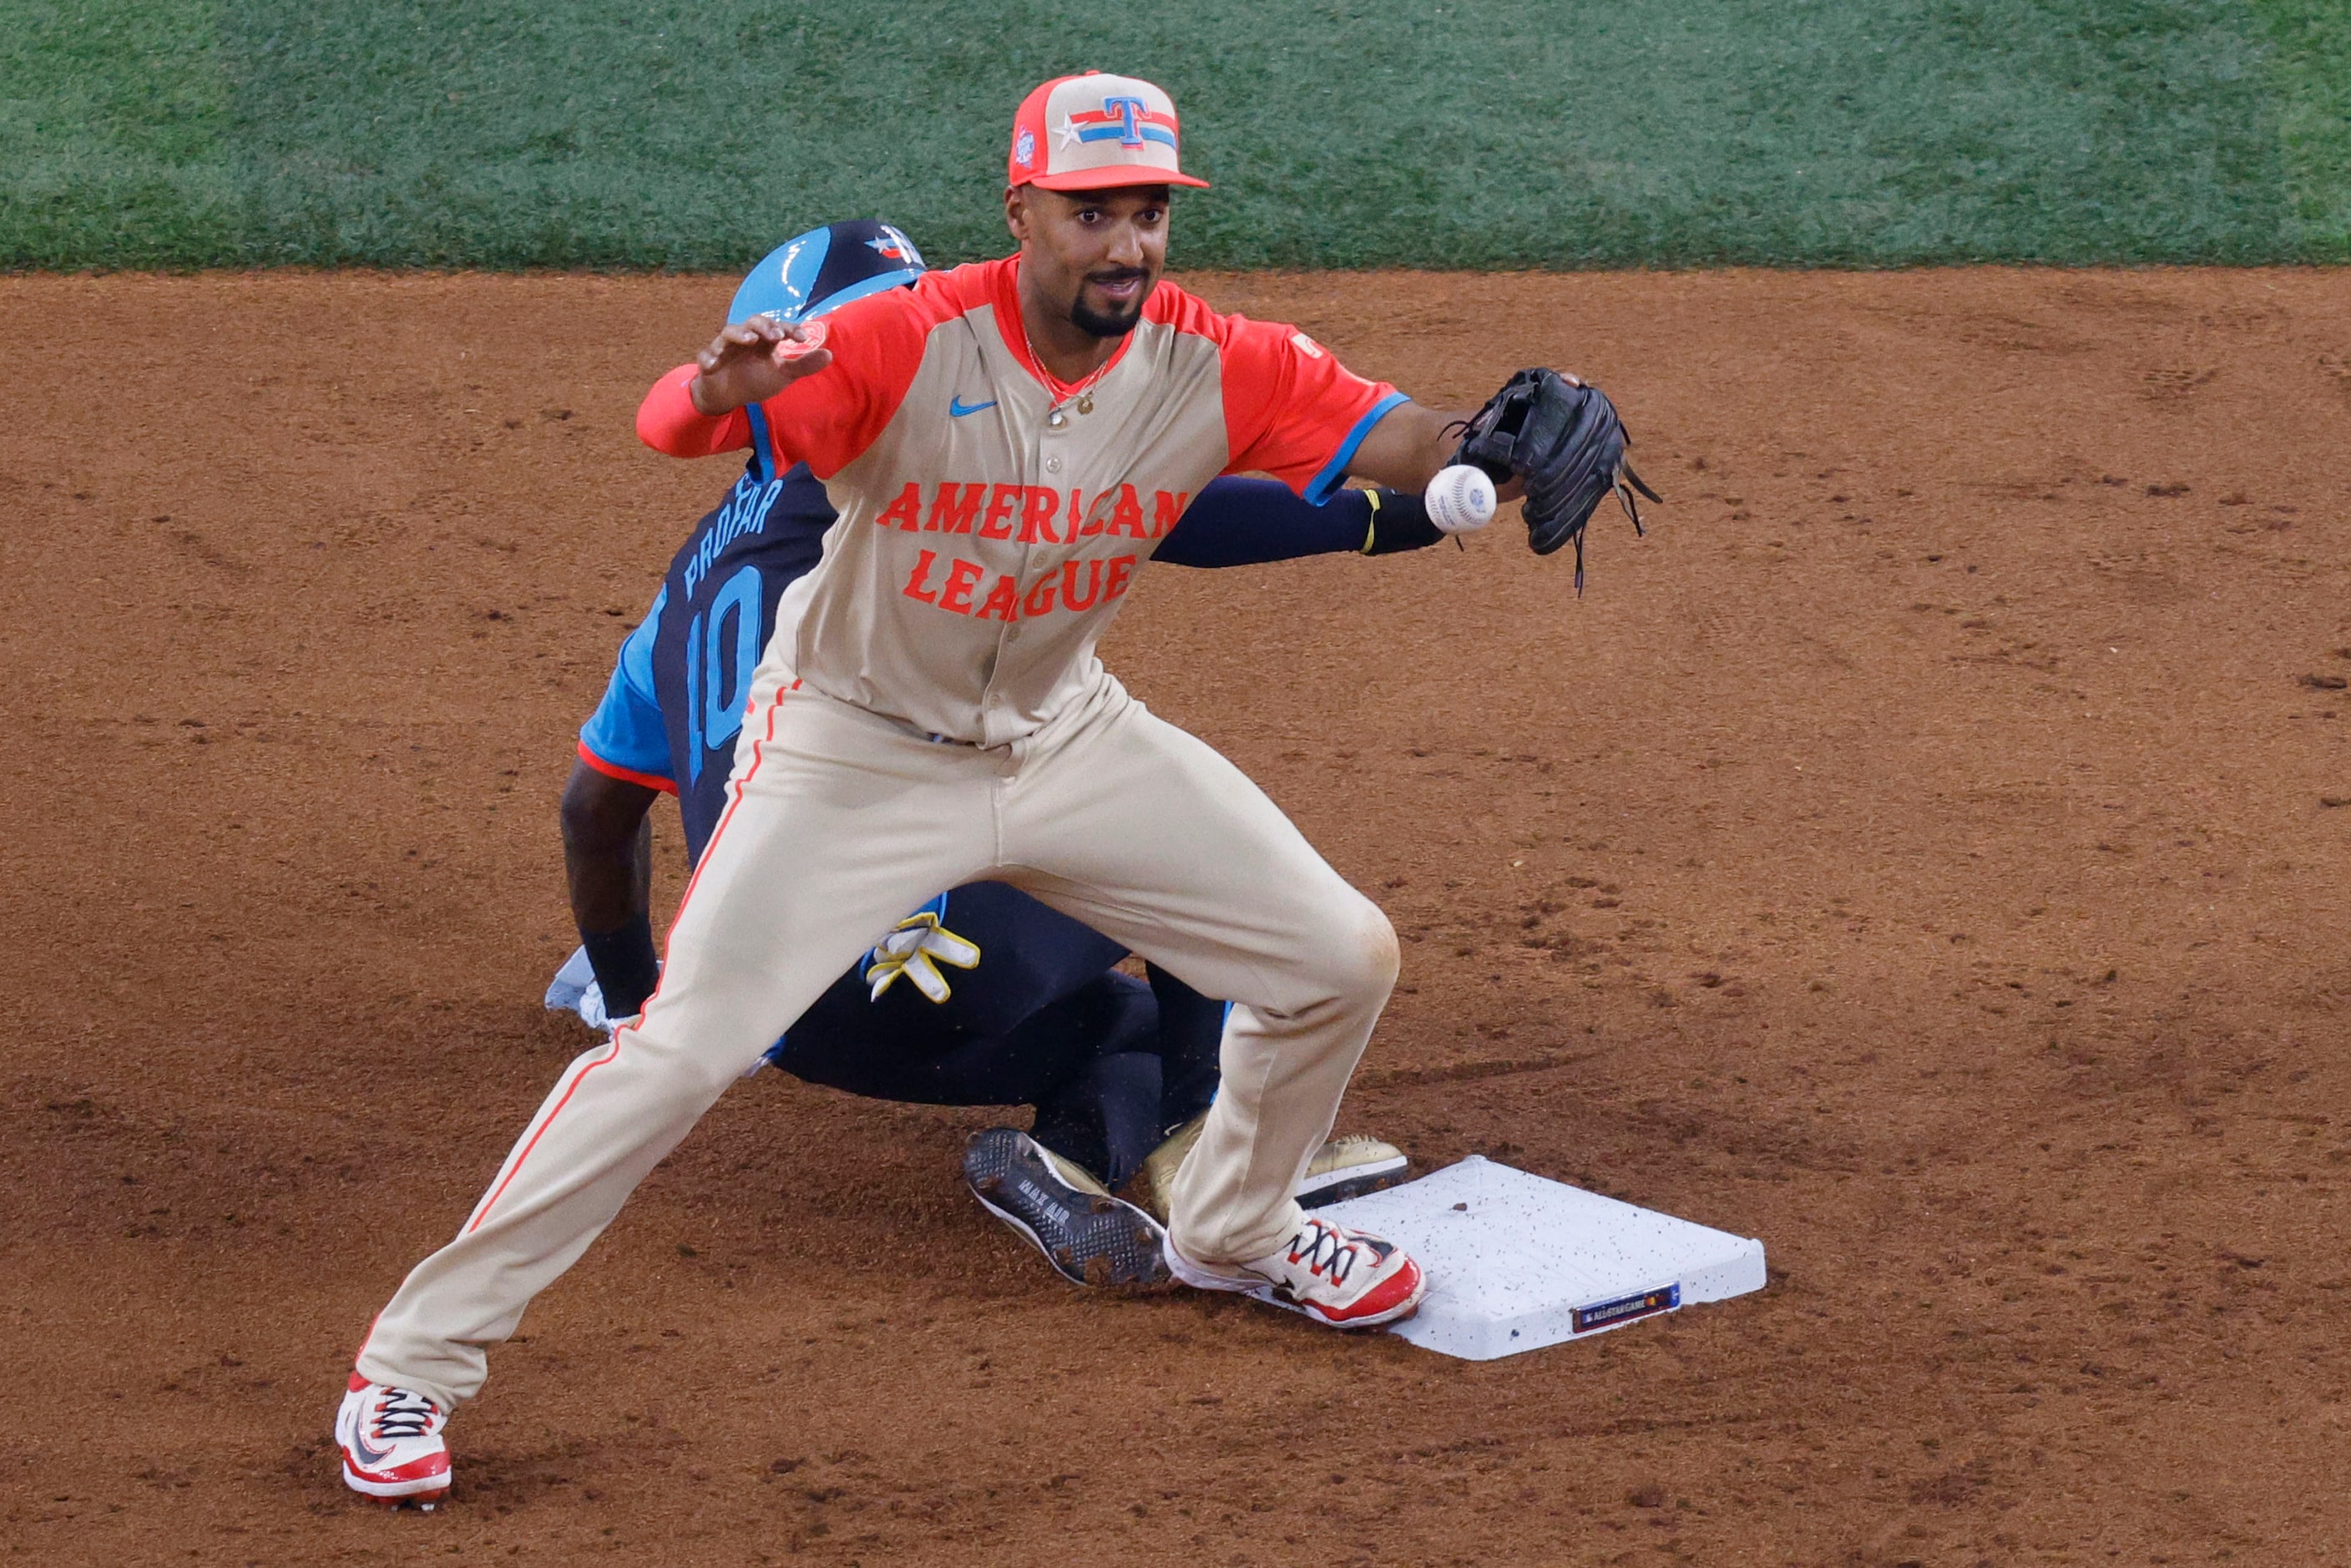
(391, 1439)
(1346, 1278)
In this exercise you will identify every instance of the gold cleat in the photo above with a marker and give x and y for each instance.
(1342, 1168)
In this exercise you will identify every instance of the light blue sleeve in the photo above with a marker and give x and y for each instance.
(624, 737)
(1326, 483)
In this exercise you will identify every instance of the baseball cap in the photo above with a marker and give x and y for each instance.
(824, 269)
(1094, 131)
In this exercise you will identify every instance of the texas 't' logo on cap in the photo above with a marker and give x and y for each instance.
(1094, 131)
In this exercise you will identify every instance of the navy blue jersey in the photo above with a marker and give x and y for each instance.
(676, 700)
(720, 612)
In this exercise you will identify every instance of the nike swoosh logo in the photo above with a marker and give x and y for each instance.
(369, 1457)
(957, 408)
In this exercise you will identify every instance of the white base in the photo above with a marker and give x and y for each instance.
(1516, 1261)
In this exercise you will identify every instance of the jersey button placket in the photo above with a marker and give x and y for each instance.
(1051, 463)
(1028, 556)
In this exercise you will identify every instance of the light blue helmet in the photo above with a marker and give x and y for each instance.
(824, 269)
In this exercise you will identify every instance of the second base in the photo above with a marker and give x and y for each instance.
(1517, 1262)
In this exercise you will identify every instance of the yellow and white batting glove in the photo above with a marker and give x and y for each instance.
(915, 950)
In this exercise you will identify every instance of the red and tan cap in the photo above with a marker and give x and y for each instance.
(1094, 131)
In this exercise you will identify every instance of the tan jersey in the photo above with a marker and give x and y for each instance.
(992, 520)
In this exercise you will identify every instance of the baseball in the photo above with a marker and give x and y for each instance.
(1460, 498)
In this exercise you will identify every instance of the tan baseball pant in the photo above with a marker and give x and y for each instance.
(843, 820)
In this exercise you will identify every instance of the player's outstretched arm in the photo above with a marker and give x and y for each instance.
(668, 421)
(608, 863)
(1407, 446)
(751, 361)
(695, 411)
(1247, 522)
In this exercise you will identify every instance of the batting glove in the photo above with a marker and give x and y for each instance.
(914, 950)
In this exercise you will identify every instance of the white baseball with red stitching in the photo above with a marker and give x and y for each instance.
(1460, 499)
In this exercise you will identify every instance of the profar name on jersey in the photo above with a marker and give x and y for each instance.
(745, 511)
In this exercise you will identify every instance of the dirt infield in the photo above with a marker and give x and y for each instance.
(1927, 853)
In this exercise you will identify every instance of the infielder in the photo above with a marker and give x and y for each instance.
(1116, 1070)
(1005, 443)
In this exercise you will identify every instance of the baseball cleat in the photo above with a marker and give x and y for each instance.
(1350, 1167)
(1342, 1168)
(1089, 1237)
(1343, 1278)
(391, 1440)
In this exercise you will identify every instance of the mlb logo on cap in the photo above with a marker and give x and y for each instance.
(1094, 131)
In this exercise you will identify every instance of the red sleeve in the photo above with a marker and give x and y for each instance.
(828, 419)
(668, 421)
(1291, 409)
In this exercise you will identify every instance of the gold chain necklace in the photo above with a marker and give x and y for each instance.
(1081, 393)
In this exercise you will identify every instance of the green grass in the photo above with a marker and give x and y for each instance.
(2310, 69)
(114, 135)
(1479, 133)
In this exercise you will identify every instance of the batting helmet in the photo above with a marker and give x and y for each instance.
(824, 269)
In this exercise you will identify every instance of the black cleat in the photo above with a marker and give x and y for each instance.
(1089, 1237)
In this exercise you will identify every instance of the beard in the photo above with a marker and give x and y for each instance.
(1101, 326)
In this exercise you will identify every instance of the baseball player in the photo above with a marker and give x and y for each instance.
(1006, 443)
(1039, 1015)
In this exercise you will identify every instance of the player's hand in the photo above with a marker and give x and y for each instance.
(751, 361)
(914, 952)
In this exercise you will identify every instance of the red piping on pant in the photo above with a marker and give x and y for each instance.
(750, 773)
(757, 757)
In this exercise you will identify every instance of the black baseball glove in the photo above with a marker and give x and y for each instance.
(1566, 441)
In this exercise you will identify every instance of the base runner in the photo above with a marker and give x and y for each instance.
(1005, 444)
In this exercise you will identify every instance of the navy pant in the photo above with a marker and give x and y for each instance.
(1111, 1066)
